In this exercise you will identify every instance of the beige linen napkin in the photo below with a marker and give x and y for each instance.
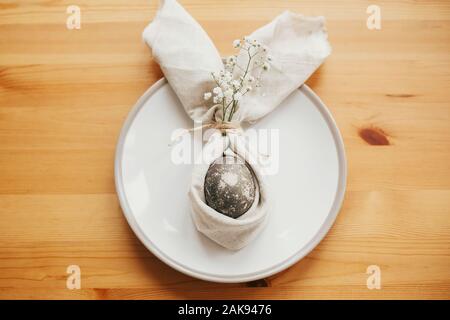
(297, 44)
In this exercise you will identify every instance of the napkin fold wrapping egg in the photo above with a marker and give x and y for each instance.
(297, 44)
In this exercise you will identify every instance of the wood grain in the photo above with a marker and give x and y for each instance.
(64, 95)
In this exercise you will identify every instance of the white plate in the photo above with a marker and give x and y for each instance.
(308, 189)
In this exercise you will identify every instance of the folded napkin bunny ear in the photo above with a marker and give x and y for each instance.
(298, 45)
(185, 54)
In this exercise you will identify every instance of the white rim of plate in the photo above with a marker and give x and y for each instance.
(301, 253)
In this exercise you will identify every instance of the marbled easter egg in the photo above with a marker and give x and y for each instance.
(229, 186)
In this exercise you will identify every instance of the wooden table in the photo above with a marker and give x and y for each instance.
(64, 95)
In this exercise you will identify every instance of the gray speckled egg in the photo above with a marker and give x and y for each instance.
(229, 186)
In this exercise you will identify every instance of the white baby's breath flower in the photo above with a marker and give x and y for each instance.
(228, 76)
(231, 60)
(235, 84)
(228, 94)
(207, 96)
(234, 80)
(217, 99)
(217, 90)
